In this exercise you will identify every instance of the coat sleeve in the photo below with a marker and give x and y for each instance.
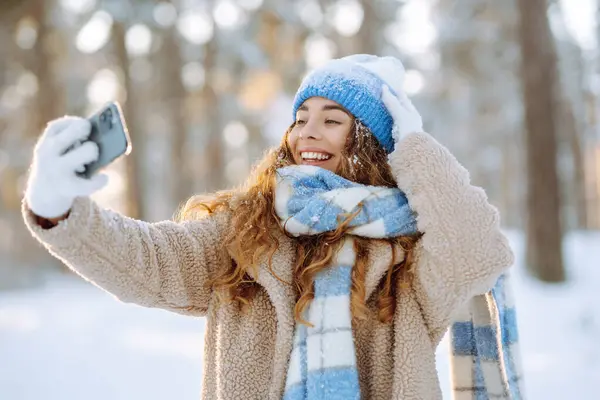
(165, 265)
(462, 251)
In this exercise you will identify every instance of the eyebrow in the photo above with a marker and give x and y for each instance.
(326, 107)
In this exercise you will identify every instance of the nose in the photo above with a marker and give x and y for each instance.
(310, 131)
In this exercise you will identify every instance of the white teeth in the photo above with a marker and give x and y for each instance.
(310, 155)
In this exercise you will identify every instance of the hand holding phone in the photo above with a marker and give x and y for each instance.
(109, 132)
(68, 156)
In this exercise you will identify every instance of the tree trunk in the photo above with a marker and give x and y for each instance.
(539, 84)
(49, 100)
(592, 155)
(45, 106)
(22, 257)
(213, 155)
(173, 105)
(592, 166)
(367, 38)
(573, 127)
(134, 204)
(578, 160)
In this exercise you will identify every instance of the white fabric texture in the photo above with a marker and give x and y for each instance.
(388, 69)
(53, 183)
(406, 117)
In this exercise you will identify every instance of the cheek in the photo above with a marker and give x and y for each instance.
(294, 135)
(339, 140)
(292, 141)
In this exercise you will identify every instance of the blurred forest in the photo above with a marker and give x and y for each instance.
(510, 87)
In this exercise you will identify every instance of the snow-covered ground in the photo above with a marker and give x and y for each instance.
(70, 341)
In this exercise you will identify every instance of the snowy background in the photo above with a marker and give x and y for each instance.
(207, 85)
(71, 341)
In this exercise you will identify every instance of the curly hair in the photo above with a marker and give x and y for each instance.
(254, 224)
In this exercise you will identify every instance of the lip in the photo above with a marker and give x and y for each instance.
(314, 150)
(314, 162)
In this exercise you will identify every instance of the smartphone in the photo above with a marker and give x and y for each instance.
(109, 132)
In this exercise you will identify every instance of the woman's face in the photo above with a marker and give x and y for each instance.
(320, 133)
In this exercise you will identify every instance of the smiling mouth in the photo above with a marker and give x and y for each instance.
(311, 157)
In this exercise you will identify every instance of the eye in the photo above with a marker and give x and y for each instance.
(330, 121)
(300, 122)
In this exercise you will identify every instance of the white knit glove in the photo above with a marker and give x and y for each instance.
(406, 117)
(53, 183)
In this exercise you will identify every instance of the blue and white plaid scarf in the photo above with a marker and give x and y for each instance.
(310, 200)
(485, 360)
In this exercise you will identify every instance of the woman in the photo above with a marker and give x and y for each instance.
(334, 272)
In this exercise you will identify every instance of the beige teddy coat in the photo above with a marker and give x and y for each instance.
(167, 264)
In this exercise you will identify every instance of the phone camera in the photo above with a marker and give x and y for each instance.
(106, 119)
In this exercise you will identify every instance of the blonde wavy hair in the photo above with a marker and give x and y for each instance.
(252, 234)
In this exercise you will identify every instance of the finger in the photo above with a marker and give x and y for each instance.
(80, 156)
(412, 109)
(52, 129)
(386, 95)
(407, 104)
(86, 187)
(391, 102)
(78, 130)
(58, 125)
(404, 100)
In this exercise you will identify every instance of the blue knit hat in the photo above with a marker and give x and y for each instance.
(355, 82)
